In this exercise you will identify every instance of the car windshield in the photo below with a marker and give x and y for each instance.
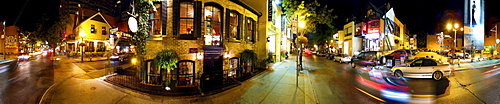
(372, 55)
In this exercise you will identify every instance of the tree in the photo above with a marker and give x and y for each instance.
(52, 29)
(319, 18)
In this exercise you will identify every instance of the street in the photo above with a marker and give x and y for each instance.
(323, 81)
(26, 82)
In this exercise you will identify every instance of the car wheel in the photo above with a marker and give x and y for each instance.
(398, 74)
(353, 65)
(340, 61)
(437, 76)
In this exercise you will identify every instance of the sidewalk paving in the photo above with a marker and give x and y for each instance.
(267, 87)
(276, 85)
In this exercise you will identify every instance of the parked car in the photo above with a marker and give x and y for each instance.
(121, 57)
(423, 68)
(407, 54)
(458, 53)
(329, 56)
(321, 53)
(367, 58)
(342, 58)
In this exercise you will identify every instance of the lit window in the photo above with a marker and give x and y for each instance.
(186, 19)
(212, 25)
(250, 30)
(233, 26)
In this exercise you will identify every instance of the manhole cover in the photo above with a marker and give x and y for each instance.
(92, 88)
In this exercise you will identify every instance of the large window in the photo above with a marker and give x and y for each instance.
(155, 19)
(101, 47)
(212, 25)
(186, 19)
(186, 73)
(250, 30)
(89, 47)
(234, 26)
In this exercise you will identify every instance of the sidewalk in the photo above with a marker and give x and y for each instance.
(268, 87)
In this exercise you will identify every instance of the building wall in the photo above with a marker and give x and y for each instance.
(262, 32)
(182, 47)
(11, 40)
(432, 42)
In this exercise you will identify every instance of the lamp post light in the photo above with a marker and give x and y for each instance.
(455, 29)
(82, 35)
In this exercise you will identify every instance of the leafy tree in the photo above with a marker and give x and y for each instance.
(51, 29)
(319, 18)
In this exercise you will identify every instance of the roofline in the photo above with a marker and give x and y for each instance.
(98, 13)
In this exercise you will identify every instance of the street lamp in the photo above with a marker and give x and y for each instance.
(82, 35)
(455, 29)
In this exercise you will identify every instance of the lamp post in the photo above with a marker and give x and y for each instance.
(455, 29)
(3, 37)
(82, 35)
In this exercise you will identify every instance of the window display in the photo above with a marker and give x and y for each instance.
(212, 26)
(186, 72)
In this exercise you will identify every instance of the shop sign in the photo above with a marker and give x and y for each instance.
(269, 10)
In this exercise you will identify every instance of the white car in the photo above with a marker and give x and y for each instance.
(342, 58)
(423, 68)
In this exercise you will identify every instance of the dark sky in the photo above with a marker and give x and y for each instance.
(33, 10)
(418, 15)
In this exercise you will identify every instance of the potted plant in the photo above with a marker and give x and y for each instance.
(166, 59)
(249, 56)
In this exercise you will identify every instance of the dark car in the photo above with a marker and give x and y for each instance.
(329, 56)
(121, 57)
(367, 58)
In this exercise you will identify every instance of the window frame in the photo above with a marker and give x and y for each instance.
(238, 24)
(92, 29)
(250, 30)
(187, 18)
(103, 30)
(220, 23)
(191, 75)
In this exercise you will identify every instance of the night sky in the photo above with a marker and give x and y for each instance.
(418, 15)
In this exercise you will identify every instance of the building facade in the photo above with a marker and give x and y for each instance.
(208, 37)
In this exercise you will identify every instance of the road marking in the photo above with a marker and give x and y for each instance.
(381, 100)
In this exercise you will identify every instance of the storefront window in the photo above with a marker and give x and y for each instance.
(89, 47)
(250, 29)
(186, 73)
(233, 26)
(212, 26)
(101, 47)
(233, 66)
(186, 18)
